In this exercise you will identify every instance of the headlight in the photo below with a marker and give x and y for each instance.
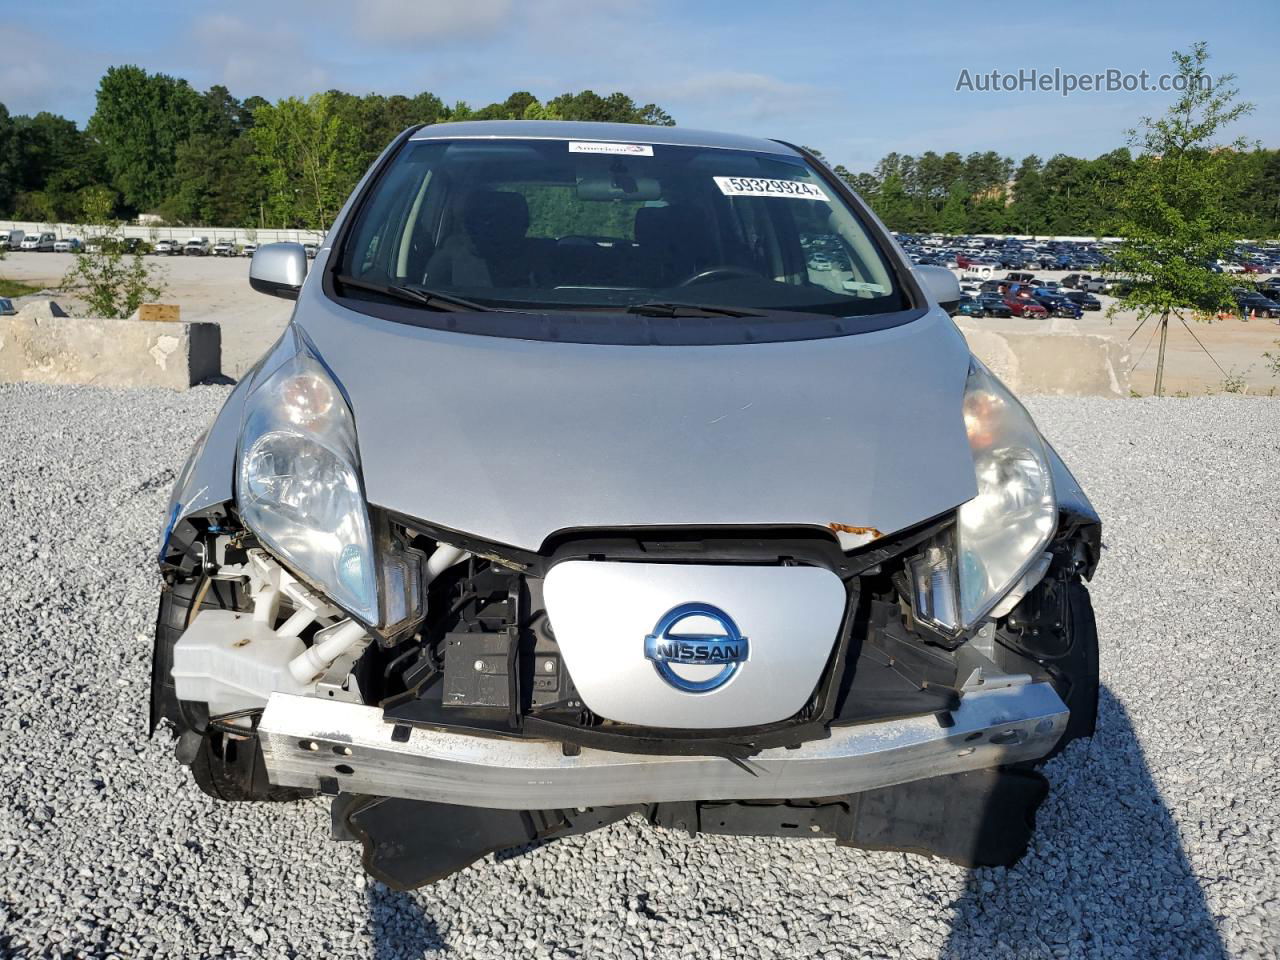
(298, 483)
(1002, 531)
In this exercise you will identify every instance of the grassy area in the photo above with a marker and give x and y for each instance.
(12, 288)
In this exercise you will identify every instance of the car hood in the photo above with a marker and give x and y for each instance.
(513, 440)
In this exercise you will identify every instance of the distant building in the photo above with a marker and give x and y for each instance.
(150, 220)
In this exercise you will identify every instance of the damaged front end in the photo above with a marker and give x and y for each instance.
(467, 732)
(457, 695)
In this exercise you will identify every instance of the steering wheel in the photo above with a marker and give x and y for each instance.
(717, 273)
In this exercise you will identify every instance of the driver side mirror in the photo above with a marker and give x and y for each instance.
(278, 269)
(941, 285)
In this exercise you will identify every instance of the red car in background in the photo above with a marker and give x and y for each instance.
(1025, 308)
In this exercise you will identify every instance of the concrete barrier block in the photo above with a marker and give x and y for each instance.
(46, 348)
(1075, 364)
(40, 309)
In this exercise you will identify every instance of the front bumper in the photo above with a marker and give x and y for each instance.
(349, 748)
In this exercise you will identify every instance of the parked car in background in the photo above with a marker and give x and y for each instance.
(969, 307)
(1255, 304)
(224, 248)
(993, 305)
(1022, 291)
(249, 249)
(168, 248)
(39, 242)
(11, 239)
(1059, 306)
(68, 245)
(311, 249)
(120, 244)
(1027, 307)
(1086, 301)
(7, 309)
(196, 247)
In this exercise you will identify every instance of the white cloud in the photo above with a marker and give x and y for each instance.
(260, 58)
(38, 74)
(413, 21)
(741, 97)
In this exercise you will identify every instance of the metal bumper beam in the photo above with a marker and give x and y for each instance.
(315, 743)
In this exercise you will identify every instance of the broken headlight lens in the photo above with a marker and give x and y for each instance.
(1004, 529)
(298, 483)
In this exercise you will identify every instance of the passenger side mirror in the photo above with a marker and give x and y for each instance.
(278, 269)
(941, 285)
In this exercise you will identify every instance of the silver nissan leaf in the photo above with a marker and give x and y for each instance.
(610, 470)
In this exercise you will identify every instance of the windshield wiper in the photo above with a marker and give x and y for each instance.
(416, 295)
(668, 309)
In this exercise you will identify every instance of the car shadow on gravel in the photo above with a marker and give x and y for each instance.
(1106, 875)
(399, 926)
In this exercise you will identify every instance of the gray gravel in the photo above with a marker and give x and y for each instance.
(1161, 837)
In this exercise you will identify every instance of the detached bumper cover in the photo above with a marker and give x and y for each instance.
(343, 747)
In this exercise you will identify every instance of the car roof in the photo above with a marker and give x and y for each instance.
(606, 132)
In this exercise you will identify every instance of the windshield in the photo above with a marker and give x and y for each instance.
(559, 225)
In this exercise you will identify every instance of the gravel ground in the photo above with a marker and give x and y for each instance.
(1161, 837)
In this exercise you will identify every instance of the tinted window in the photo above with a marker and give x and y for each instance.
(550, 225)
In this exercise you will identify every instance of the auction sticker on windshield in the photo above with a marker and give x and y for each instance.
(626, 149)
(756, 187)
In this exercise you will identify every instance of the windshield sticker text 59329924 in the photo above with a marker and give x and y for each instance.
(757, 187)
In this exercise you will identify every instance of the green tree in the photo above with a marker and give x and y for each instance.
(309, 157)
(110, 283)
(9, 174)
(986, 172)
(1027, 212)
(1172, 210)
(51, 162)
(139, 121)
(216, 182)
(1063, 178)
(615, 108)
(895, 206)
(864, 185)
(954, 216)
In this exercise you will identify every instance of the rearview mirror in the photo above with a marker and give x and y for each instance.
(619, 187)
(278, 269)
(941, 285)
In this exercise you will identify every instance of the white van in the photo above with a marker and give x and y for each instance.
(42, 243)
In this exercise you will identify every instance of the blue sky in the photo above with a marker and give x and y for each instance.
(855, 80)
